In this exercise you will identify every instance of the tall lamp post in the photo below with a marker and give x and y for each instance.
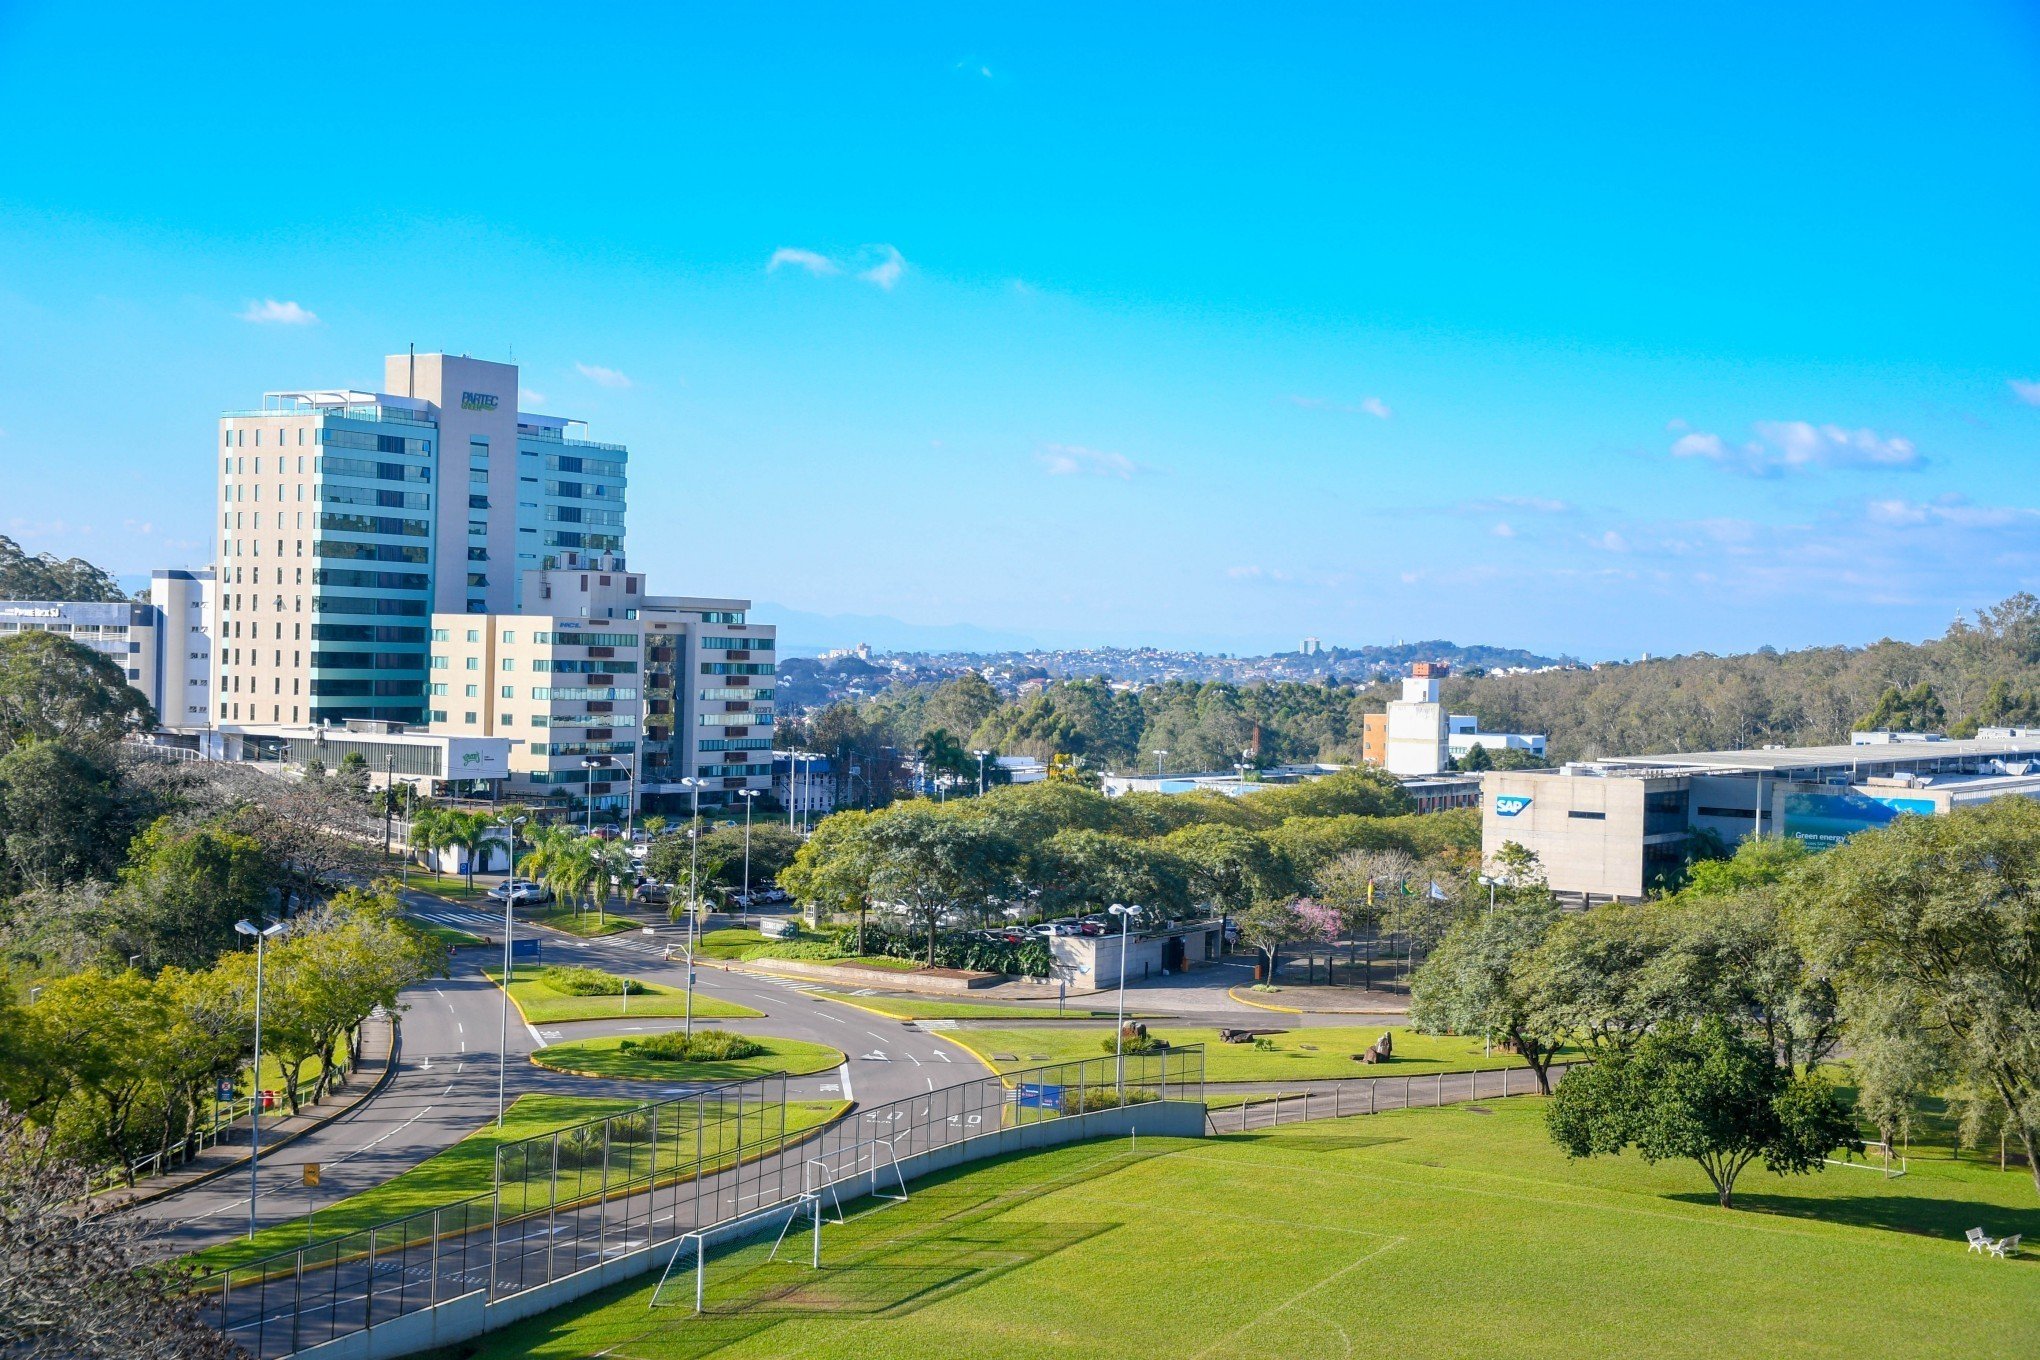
(262, 936)
(1125, 915)
(981, 770)
(594, 763)
(509, 924)
(693, 893)
(747, 795)
(1160, 767)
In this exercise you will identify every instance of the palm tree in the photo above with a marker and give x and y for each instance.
(471, 833)
(609, 863)
(547, 861)
(428, 832)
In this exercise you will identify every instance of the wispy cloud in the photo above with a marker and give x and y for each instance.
(813, 261)
(888, 270)
(270, 312)
(530, 398)
(1366, 406)
(2026, 390)
(602, 377)
(1783, 446)
(1503, 529)
(1074, 460)
(1535, 505)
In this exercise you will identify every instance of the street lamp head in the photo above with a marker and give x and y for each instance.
(1119, 910)
(249, 928)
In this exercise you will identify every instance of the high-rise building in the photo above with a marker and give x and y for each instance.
(349, 518)
(607, 692)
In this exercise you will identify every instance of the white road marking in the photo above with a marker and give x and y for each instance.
(843, 1072)
(538, 1038)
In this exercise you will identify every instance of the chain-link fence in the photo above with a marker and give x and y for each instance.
(1372, 1095)
(569, 1200)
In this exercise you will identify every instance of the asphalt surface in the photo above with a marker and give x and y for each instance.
(445, 1086)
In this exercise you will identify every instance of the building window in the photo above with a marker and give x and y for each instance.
(509, 691)
(509, 663)
(472, 691)
(509, 636)
(468, 718)
(474, 663)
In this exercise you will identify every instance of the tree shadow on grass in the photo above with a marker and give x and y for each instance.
(1920, 1215)
(1328, 1142)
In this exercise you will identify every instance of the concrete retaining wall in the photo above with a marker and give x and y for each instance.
(470, 1316)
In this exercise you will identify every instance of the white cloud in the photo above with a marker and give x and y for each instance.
(1614, 542)
(1783, 446)
(1955, 511)
(602, 377)
(2026, 390)
(814, 262)
(1071, 460)
(1536, 505)
(531, 399)
(1366, 406)
(270, 312)
(1503, 529)
(888, 270)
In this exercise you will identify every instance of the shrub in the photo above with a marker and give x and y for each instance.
(795, 949)
(574, 980)
(1075, 1101)
(630, 1128)
(710, 1045)
(1134, 1040)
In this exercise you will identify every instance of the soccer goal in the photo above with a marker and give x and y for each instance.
(1891, 1164)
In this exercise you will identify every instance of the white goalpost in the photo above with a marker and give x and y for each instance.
(818, 1181)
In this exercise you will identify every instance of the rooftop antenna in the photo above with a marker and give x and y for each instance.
(411, 382)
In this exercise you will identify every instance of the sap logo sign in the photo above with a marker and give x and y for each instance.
(1509, 804)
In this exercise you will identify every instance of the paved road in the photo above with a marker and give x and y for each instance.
(445, 1084)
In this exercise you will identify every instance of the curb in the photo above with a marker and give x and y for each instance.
(389, 1074)
(989, 1066)
(593, 1019)
(1234, 993)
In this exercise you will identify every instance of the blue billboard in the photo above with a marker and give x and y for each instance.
(1822, 820)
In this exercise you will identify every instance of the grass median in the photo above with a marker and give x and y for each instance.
(609, 1058)
(931, 1008)
(1424, 1234)
(465, 1169)
(542, 1005)
(1294, 1055)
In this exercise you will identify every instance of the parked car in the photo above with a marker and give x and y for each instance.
(654, 893)
(606, 833)
(519, 891)
(1094, 925)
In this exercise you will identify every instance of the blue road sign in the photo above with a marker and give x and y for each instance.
(1040, 1096)
(523, 949)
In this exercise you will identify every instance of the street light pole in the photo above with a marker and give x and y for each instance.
(509, 924)
(693, 895)
(1125, 915)
(1161, 768)
(981, 770)
(747, 795)
(261, 934)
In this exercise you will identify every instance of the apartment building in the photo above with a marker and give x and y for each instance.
(348, 518)
(609, 693)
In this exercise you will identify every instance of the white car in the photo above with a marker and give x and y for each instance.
(519, 890)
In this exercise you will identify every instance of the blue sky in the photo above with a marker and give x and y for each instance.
(1599, 329)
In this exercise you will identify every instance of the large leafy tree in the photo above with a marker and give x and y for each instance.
(183, 889)
(52, 688)
(1940, 918)
(934, 866)
(62, 817)
(1478, 981)
(1706, 1094)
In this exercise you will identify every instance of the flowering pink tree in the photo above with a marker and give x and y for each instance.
(1317, 923)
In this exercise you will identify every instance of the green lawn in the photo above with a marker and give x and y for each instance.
(930, 1008)
(457, 1173)
(606, 1058)
(451, 886)
(587, 923)
(542, 1005)
(446, 935)
(728, 944)
(1420, 1234)
(1298, 1055)
(884, 961)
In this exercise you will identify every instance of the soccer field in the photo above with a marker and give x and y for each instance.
(1420, 1234)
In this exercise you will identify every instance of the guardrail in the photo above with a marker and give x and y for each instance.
(572, 1201)
(1375, 1095)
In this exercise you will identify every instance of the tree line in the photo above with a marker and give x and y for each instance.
(1712, 1017)
(1052, 849)
(1984, 671)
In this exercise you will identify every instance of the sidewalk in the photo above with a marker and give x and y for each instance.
(378, 1049)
